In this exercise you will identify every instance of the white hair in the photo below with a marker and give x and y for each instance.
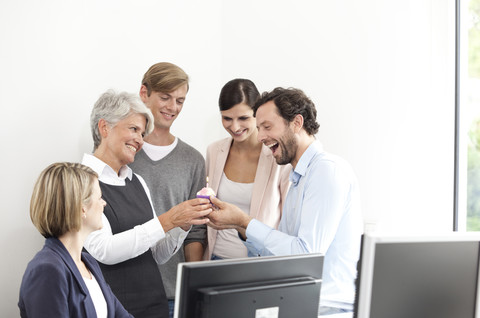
(113, 107)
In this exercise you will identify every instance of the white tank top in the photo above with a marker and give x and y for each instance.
(97, 296)
(228, 244)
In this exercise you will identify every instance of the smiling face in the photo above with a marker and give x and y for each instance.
(239, 122)
(276, 133)
(164, 106)
(94, 210)
(121, 142)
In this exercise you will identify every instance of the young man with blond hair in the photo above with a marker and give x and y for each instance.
(173, 170)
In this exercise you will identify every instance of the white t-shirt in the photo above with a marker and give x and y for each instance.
(158, 152)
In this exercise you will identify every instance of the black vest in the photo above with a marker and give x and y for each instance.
(137, 282)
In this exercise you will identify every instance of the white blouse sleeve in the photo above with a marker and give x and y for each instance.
(109, 248)
(166, 247)
(170, 245)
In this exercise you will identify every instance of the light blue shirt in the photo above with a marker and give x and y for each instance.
(321, 214)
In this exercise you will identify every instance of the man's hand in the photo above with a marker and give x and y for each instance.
(185, 214)
(227, 216)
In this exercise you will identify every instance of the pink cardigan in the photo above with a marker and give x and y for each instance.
(269, 190)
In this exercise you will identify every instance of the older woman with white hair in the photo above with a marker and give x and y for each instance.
(133, 239)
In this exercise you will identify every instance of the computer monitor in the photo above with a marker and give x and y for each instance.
(276, 286)
(418, 276)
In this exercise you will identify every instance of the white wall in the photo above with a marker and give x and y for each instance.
(380, 72)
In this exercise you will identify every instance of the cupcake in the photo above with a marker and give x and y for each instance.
(206, 192)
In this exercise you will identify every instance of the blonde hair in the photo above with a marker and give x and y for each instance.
(58, 196)
(164, 77)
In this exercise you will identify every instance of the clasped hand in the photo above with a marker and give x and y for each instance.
(227, 216)
(188, 213)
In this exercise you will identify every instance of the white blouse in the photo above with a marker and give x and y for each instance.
(109, 248)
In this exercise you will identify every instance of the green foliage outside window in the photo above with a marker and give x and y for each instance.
(473, 178)
(473, 173)
(474, 39)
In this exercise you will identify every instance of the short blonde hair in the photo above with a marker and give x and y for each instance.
(58, 196)
(164, 77)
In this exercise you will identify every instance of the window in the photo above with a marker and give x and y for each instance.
(467, 192)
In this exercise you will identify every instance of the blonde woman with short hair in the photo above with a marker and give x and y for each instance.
(61, 280)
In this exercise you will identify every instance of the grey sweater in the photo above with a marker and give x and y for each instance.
(171, 180)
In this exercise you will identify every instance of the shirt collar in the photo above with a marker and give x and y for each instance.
(302, 165)
(104, 171)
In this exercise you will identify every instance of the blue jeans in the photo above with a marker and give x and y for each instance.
(171, 307)
(215, 257)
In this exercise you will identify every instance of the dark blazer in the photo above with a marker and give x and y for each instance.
(52, 286)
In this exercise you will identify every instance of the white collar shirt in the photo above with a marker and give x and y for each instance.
(321, 214)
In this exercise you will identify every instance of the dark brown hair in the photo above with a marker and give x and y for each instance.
(291, 102)
(238, 91)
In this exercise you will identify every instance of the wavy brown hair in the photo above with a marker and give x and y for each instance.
(291, 102)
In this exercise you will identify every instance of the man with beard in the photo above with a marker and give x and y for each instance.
(321, 213)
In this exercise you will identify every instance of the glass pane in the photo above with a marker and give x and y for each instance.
(470, 112)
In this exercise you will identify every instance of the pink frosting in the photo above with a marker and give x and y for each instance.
(206, 192)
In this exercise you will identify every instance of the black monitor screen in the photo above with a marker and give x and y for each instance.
(277, 286)
(418, 277)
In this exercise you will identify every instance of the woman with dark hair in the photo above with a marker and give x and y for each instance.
(242, 170)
